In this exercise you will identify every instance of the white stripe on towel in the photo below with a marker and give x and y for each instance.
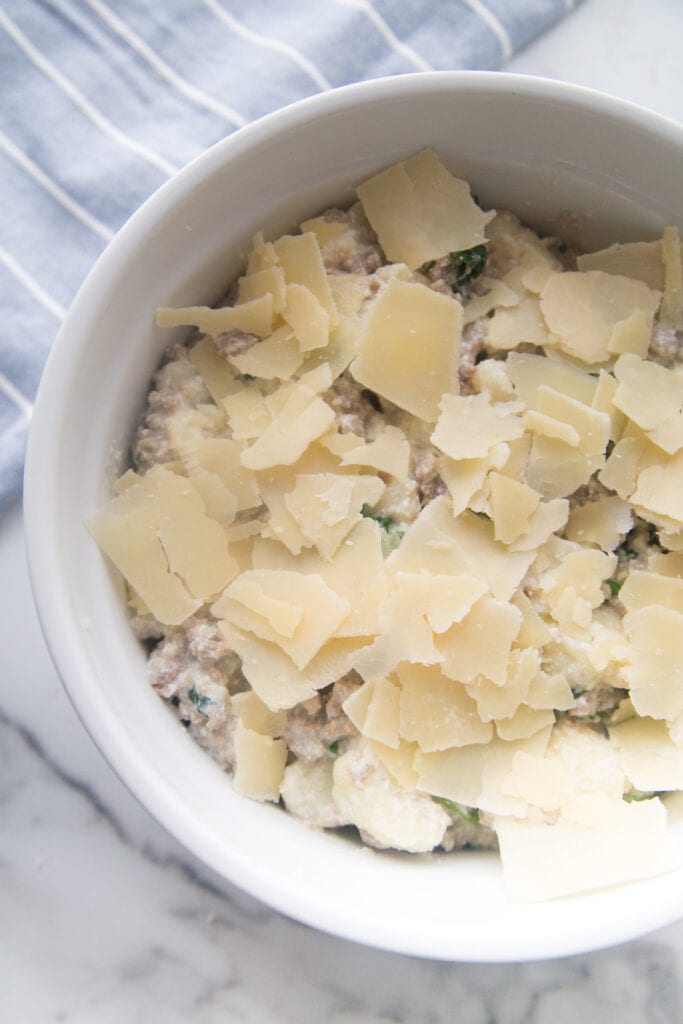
(277, 45)
(31, 285)
(22, 403)
(387, 34)
(495, 26)
(55, 190)
(164, 70)
(84, 104)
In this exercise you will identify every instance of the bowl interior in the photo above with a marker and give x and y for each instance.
(535, 147)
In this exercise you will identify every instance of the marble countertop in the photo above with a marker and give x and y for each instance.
(104, 918)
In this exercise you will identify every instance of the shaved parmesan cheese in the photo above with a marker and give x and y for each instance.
(465, 477)
(296, 611)
(279, 356)
(647, 393)
(259, 764)
(269, 281)
(481, 305)
(480, 644)
(625, 842)
(324, 230)
(374, 710)
(655, 661)
(502, 701)
(436, 712)
(641, 589)
(302, 419)
(524, 722)
(214, 370)
(194, 544)
(307, 318)
(549, 517)
(398, 762)
(528, 372)
(255, 715)
(582, 310)
(326, 506)
(409, 349)
(128, 533)
(603, 402)
(220, 456)
(254, 317)
(652, 762)
(604, 522)
(300, 258)
(421, 212)
(640, 260)
(468, 427)
(523, 323)
(247, 414)
(512, 505)
(388, 453)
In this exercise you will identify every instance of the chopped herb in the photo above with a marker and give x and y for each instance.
(469, 814)
(246, 378)
(629, 554)
(400, 534)
(426, 267)
(614, 586)
(333, 747)
(200, 700)
(577, 691)
(468, 264)
(384, 521)
(633, 798)
(591, 373)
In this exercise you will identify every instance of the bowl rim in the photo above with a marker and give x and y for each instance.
(49, 589)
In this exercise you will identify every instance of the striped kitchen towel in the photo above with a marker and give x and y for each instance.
(102, 100)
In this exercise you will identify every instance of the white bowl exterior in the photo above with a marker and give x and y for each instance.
(537, 147)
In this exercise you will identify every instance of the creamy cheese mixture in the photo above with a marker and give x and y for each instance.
(405, 533)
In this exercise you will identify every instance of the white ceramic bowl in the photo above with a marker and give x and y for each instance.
(535, 146)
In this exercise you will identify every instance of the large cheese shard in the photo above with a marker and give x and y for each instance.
(480, 644)
(374, 710)
(604, 522)
(642, 589)
(410, 347)
(655, 661)
(259, 764)
(270, 280)
(300, 258)
(258, 601)
(367, 796)
(326, 506)
(278, 357)
(529, 372)
(307, 318)
(651, 761)
(253, 317)
(512, 505)
(623, 842)
(127, 530)
(583, 310)
(195, 545)
(275, 677)
(523, 323)
(301, 419)
(421, 212)
(640, 260)
(387, 453)
(660, 489)
(442, 544)
(437, 712)
(220, 456)
(469, 427)
(214, 369)
(647, 393)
